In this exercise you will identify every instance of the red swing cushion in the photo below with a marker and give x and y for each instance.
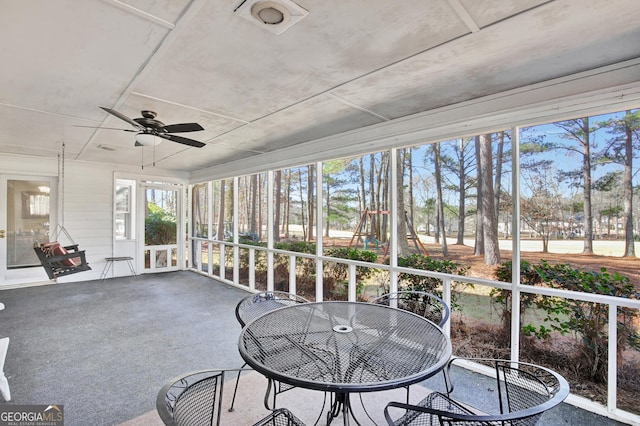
(55, 249)
(46, 248)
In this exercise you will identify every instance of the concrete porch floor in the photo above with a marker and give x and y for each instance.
(104, 349)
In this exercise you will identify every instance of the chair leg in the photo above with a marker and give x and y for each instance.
(270, 384)
(235, 390)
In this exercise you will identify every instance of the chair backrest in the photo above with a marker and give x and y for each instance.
(193, 398)
(422, 303)
(522, 386)
(258, 304)
(524, 392)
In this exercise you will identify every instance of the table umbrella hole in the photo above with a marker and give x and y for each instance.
(342, 329)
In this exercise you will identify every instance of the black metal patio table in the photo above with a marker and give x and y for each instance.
(344, 347)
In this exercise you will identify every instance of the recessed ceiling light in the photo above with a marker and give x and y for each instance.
(273, 15)
(270, 12)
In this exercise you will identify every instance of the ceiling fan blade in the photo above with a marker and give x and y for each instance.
(181, 140)
(183, 127)
(123, 117)
(106, 128)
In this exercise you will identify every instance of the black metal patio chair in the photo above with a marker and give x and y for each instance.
(195, 399)
(422, 303)
(252, 307)
(4, 383)
(522, 392)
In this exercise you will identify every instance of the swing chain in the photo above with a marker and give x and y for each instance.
(60, 227)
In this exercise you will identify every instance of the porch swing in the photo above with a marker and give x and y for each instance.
(56, 259)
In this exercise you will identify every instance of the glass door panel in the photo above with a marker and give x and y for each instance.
(161, 229)
(26, 207)
(28, 221)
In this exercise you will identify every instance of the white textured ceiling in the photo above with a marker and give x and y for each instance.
(347, 65)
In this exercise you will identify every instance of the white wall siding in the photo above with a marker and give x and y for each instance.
(88, 208)
(88, 211)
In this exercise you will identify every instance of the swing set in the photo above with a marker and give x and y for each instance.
(368, 229)
(56, 259)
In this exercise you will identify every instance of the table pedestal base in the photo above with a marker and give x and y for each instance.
(341, 404)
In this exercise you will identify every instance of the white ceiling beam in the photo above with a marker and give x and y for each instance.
(41, 111)
(358, 107)
(141, 13)
(205, 111)
(464, 15)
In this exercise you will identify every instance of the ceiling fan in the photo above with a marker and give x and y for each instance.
(147, 128)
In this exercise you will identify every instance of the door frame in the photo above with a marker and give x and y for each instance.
(179, 188)
(28, 273)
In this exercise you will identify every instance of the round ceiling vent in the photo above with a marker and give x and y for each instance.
(270, 13)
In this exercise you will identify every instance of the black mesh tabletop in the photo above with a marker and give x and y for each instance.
(344, 346)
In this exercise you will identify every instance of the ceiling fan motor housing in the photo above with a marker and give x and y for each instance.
(149, 122)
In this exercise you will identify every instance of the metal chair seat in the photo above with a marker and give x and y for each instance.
(280, 417)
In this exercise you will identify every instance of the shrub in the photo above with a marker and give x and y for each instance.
(336, 274)
(588, 320)
(297, 246)
(243, 255)
(432, 285)
(502, 298)
(305, 267)
(159, 226)
(340, 270)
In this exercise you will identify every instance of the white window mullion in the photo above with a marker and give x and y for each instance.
(270, 235)
(515, 241)
(319, 263)
(393, 216)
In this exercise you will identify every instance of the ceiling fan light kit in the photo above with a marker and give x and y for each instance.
(147, 139)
